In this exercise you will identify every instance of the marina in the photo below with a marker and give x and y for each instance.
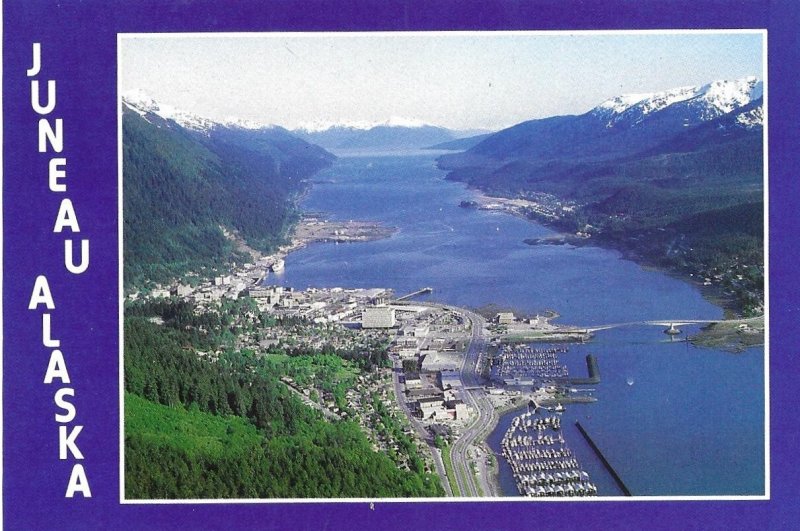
(525, 363)
(542, 463)
(640, 427)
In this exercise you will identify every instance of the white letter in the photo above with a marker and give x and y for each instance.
(56, 368)
(78, 483)
(66, 217)
(66, 406)
(47, 339)
(68, 260)
(41, 294)
(36, 102)
(67, 443)
(56, 174)
(46, 134)
(37, 59)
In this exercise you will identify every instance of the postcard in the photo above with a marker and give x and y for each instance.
(273, 267)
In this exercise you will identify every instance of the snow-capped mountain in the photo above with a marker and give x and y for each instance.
(696, 104)
(143, 104)
(629, 124)
(396, 133)
(322, 126)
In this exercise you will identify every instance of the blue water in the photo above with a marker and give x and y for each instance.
(692, 423)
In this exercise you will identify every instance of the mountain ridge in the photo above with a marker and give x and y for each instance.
(632, 172)
(184, 184)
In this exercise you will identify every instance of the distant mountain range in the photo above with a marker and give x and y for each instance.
(638, 170)
(461, 144)
(395, 135)
(188, 178)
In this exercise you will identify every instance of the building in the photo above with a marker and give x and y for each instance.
(181, 290)
(433, 407)
(272, 294)
(224, 280)
(457, 409)
(407, 353)
(378, 317)
(437, 361)
(451, 380)
(159, 293)
(504, 318)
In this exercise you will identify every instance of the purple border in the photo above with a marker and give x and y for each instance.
(79, 46)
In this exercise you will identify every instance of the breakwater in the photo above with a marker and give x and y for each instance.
(617, 479)
(594, 372)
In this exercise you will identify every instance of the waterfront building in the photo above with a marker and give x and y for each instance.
(378, 317)
(504, 318)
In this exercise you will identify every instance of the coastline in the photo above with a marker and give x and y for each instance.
(731, 306)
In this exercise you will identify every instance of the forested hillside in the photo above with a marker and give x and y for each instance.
(224, 426)
(638, 172)
(181, 187)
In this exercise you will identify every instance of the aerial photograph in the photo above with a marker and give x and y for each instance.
(414, 265)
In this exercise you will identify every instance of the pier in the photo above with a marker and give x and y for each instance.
(605, 462)
(413, 294)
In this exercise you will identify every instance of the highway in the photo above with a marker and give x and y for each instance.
(468, 484)
(485, 417)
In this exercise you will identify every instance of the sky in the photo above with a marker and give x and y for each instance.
(465, 81)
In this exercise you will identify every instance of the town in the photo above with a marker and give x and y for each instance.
(415, 401)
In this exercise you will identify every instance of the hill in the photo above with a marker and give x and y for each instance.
(187, 179)
(461, 144)
(634, 172)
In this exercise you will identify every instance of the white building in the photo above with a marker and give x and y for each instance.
(181, 290)
(504, 318)
(378, 317)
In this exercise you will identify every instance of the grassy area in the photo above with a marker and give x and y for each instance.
(474, 468)
(451, 473)
(734, 335)
(192, 431)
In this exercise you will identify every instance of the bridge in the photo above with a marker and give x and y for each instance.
(668, 323)
(413, 294)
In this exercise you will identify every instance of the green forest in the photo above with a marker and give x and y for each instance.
(692, 203)
(181, 188)
(205, 417)
(197, 428)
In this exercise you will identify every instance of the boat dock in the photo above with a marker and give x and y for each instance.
(542, 464)
(413, 294)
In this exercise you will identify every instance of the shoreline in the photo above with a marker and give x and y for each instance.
(731, 307)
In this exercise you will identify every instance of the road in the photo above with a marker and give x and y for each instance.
(468, 483)
(422, 432)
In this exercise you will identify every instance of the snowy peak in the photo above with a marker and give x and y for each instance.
(727, 96)
(751, 118)
(141, 103)
(644, 103)
(697, 104)
(360, 125)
